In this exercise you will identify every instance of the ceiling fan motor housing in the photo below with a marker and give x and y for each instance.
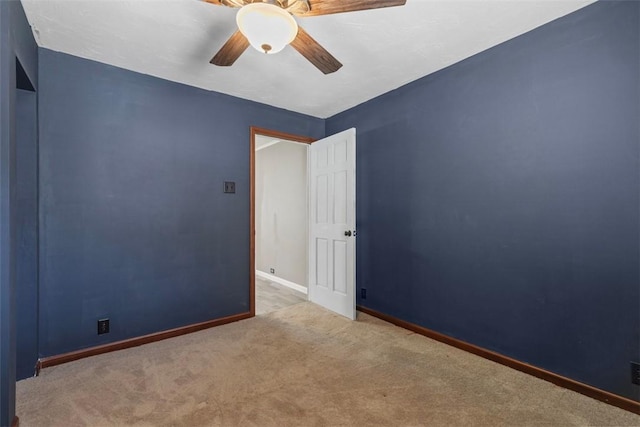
(268, 27)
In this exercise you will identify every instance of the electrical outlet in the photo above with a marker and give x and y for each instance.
(103, 326)
(635, 373)
(229, 187)
(272, 270)
(363, 293)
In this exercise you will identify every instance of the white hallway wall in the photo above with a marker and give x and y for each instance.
(281, 211)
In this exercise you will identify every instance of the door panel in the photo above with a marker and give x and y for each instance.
(322, 199)
(332, 223)
(341, 204)
(339, 267)
(322, 263)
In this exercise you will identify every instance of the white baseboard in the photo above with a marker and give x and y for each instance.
(281, 281)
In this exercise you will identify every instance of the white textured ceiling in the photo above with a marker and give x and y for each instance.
(381, 49)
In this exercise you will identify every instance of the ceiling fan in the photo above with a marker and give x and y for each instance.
(268, 26)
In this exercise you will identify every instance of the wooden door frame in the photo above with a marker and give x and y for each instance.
(252, 197)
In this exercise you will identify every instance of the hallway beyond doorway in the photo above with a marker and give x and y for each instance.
(271, 296)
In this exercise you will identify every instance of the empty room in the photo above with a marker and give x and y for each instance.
(463, 247)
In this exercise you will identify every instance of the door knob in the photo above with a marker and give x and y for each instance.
(347, 233)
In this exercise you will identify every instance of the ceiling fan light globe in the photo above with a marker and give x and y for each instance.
(264, 24)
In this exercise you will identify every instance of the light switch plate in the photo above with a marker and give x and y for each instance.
(229, 187)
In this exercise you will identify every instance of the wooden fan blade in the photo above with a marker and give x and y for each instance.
(231, 50)
(314, 52)
(327, 7)
(230, 3)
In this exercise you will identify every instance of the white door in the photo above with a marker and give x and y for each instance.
(332, 208)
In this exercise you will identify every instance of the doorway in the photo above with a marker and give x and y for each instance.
(329, 207)
(26, 227)
(279, 219)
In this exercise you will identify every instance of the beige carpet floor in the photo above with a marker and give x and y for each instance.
(301, 366)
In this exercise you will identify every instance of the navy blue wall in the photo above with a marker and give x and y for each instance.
(16, 41)
(498, 199)
(134, 223)
(26, 233)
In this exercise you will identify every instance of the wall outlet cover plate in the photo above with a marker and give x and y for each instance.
(103, 326)
(229, 187)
